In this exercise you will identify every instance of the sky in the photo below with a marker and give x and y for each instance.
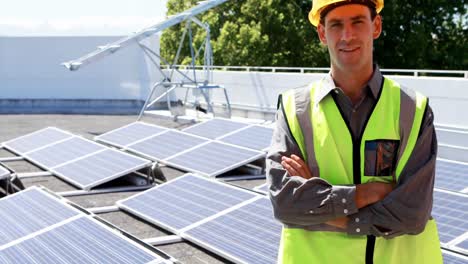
(79, 17)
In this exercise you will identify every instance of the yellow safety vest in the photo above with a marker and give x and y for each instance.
(342, 162)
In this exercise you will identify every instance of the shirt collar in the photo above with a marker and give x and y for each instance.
(328, 85)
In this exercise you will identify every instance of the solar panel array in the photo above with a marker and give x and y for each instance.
(166, 145)
(247, 234)
(263, 188)
(450, 211)
(227, 220)
(213, 158)
(215, 128)
(36, 227)
(454, 258)
(79, 161)
(451, 175)
(194, 149)
(184, 201)
(130, 134)
(30, 211)
(253, 137)
(36, 140)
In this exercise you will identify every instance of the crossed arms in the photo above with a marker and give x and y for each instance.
(302, 198)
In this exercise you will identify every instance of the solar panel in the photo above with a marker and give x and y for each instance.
(36, 140)
(451, 175)
(98, 168)
(184, 201)
(64, 151)
(262, 188)
(247, 234)
(166, 144)
(253, 137)
(129, 134)
(453, 258)
(4, 172)
(82, 240)
(213, 158)
(214, 128)
(463, 245)
(29, 211)
(450, 211)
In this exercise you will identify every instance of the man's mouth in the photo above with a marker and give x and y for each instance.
(349, 49)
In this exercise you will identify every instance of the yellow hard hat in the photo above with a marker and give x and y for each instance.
(319, 5)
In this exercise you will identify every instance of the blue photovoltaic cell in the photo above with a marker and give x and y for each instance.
(254, 137)
(166, 144)
(79, 241)
(184, 201)
(454, 258)
(129, 134)
(29, 211)
(70, 149)
(214, 158)
(99, 168)
(451, 176)
(249, 234)
(36, 140)
(450, 212)
(214, 128)
(463, 245)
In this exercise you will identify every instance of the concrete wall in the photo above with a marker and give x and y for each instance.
(32, 79)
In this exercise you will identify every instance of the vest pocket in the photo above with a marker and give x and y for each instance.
(380, 157)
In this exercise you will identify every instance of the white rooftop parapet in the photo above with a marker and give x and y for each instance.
(105, 50)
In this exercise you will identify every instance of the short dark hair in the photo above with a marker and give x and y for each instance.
(369, 4)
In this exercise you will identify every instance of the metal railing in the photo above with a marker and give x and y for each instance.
(408, 72)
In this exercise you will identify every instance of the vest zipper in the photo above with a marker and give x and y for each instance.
(370, 245)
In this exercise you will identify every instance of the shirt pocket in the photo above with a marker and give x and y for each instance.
(380, 157)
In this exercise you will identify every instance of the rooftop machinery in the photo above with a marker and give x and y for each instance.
(189, 80)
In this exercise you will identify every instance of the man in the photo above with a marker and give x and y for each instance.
(351, 165)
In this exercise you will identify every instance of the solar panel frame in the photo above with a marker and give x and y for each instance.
(101, 237)
(263, 188)
(4, 172)
(230, 137)
(213, 248)
(10, 144)
(453, 258)
(56, 170)
(101, 138)
(442, 212)
(169, 161)
(175, 230)
(30, 156)
(45, 208)
(195, 129)
(133, 149)
(461, 244)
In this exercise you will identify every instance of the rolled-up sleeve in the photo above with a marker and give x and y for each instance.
(298, 201)
(407, 208)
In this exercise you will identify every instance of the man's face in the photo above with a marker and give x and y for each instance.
(349, 32)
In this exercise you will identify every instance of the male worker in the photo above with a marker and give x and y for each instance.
(351, 165)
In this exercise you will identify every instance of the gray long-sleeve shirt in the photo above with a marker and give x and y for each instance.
(308, 204)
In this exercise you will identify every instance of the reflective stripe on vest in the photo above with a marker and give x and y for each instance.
(341, 161)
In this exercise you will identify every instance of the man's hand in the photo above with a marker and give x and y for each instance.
(371, 192)
(295, 166)
(341, 222)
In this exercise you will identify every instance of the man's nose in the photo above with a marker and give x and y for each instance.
(348, 32)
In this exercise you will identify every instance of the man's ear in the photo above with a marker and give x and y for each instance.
(321, 33)
(377, 26)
